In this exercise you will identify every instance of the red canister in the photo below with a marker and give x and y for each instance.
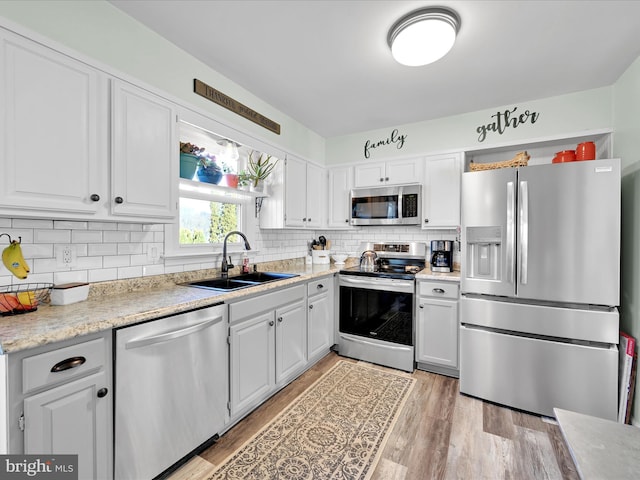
(565, 156)
(586, 151)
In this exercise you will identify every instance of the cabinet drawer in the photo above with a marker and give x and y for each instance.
(64, 364)
(263, 303)
(438, 289)
(319, 286)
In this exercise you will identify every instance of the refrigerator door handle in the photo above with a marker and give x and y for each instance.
(511, 231)
(523, 251)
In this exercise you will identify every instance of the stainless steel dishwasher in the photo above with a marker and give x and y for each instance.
(171, 380)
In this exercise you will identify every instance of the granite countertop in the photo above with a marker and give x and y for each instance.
(427, 274)
(116, 309)
(600, 448)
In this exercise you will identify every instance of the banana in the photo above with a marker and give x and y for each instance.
(14, 261)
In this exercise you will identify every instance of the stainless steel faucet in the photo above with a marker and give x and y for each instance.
(224, 268)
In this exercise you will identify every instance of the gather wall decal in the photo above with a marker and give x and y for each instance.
(504, 120)
(395, 138)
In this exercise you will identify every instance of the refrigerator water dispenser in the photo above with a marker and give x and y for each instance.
(484, 246)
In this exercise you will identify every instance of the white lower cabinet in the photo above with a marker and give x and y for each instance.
(268, 339)
(437, 327)
(61, 401)
(320, 317)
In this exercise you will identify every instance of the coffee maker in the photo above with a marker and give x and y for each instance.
(441, 255)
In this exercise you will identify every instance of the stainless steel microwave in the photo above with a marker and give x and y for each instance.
(393, 205)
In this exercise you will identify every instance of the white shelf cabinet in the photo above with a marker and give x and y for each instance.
(437, 327)
(56, 127)
(441, 191)
(268, 338)
(393, 172)
(67, 410)
(53, 131)
(320, 316)
(145, 154)
(340, 185)
(297, 197)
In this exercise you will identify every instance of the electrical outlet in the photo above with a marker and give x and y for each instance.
(65, 256)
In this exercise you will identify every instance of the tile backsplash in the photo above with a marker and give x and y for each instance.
(103, 251)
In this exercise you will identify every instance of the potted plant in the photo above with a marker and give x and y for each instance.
(189, 159)
(260, 168)
(244, 179)
(208, 169)
(231, 178)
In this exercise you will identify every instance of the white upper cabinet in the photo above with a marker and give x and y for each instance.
(145, 153)
(441, 191)
(297, 197)
(53, 128)
(393, 172)
(340, 185)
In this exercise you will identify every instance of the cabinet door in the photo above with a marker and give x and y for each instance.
(369, 175)
(403, 171)
(441, 192)
(252, 361)
(316, 195)
(295, 183)
(320, 324)
(72, 419)
(291, 340)
(340, 185)
(53, 130)
(437, 332)
(145, 154)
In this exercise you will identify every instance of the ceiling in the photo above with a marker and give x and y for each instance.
(327, 65)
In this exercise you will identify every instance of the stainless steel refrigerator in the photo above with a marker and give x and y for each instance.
(540, 286)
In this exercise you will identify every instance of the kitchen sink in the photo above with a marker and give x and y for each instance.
(245, 280)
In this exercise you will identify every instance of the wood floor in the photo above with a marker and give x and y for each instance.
(440, 434)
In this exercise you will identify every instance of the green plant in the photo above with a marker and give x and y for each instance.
(261, 168)
(244, 178)
(186, 147)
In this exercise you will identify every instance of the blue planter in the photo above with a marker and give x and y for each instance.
(210, 174)
(188, 165)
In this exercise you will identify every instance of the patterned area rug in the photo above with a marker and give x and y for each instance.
(336, 429)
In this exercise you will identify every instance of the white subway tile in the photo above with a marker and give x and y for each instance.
(69, 225)
(130, 227)
(80, 276)
(115, 237)
(115, 261)
(102, 249)
(31, 223)
(149, 270)
(140, 259)
(52, 236)
(129, 248)
(37, 250)
(16, 234)
(129, 272)
(5, 222)
(88, 263)
(88, 236)
(45, 265)
(174, 269)
(103, 275)
(141, 236)
(102, 226)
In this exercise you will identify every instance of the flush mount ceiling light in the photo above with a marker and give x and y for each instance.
(423, 36)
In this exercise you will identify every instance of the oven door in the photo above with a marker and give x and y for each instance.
(377, 308)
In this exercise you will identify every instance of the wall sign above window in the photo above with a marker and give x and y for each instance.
(503, 120)
(393, 139)
(216, 96)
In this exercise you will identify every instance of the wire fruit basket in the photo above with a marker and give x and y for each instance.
(520, 160)
(23, 298)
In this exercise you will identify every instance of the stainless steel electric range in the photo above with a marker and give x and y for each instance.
(376, 318)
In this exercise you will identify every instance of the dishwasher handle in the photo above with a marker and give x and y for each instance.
(164, 337)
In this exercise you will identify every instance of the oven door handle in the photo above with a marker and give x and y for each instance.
(376, 283)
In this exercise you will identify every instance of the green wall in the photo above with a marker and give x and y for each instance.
(627, 147)
(102, 32)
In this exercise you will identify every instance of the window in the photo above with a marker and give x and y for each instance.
(203, 221)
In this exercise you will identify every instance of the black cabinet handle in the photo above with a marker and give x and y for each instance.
(310, 307)
(103, 392)
(95, 197)
(119, 200)
(271, 323)
(438, 290)
(426, 220)
(386, 179)
(279, 319)
(320, 286)
(421, 306)
(67, 364)
(382, 179)
(347, 220)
